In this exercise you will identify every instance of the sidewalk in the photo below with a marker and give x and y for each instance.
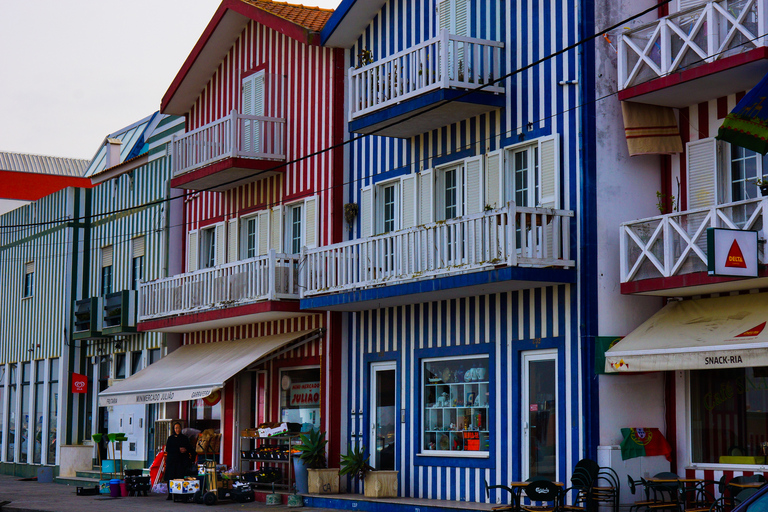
(36, 497)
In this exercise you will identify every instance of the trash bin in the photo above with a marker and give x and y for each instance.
(114, 488)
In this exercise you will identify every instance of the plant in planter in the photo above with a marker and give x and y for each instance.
(763, 186)
(378, 484)
(319, 479)
(350, 214)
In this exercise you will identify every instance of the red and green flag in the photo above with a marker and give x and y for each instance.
(639, 442)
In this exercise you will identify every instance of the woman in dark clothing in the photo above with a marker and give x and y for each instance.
(178, 450)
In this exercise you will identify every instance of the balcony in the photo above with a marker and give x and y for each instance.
(229, 294)
(667, 255)
(533, 241)
(708, 51)
(88, 319)
(425, 76)
(236, 147)
(120, 313)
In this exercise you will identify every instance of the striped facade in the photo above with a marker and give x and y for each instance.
(502, 325)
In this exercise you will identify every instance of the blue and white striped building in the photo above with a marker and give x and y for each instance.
(464, 341)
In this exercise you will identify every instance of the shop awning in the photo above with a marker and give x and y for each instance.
(722, 332)
(195, 371)
(747, 124)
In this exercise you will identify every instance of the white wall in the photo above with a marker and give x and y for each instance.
(630, 400)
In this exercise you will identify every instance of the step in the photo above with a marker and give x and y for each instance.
(92, 473)
(77, 481)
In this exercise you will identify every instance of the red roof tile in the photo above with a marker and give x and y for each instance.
(312, 18)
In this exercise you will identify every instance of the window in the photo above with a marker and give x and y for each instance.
(746, 167)
(208, 248)
(521, 183)
(293, 228)
(53, 409)
(729, 415)
(29, 279)
(120, 360)
(300, 395)
(388, 206)
(154, 355)
(10, 452)
(450, 193)
(137, 263)
(37, 446)
(106, 270)
(26, 384)
(455, 397)
(250, 236)
(135, 362)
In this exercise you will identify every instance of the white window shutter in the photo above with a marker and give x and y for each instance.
(702, 173)
(549, 171)
(193, 251)
(426, 196)
(310, 222)
(494, 183)
(276, 236)
(263, 230)
(444, 14)
(366, 211)
(106, 256)
(233, 239)
(221, 244)
(473, 172)
(408, 212)
(460, 28)
(258, 94)
(247, 99)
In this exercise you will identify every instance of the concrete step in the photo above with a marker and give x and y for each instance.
(77, 481)
(91, 474)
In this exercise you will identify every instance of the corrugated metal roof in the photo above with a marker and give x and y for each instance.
(22, 162)
(313, 18)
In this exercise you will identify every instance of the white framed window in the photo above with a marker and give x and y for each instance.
(29, 280)
(294, 227)
(388, 206)
(455, 403)
(106, 270)
(249, 236)
(531, 173)
(449, 192)
(744, 169)
(521, 183)
(208, 247)
(299, 224)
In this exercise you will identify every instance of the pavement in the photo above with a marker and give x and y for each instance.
(32, 496)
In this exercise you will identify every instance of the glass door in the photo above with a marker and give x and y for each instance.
(539, 414)
(383, 415)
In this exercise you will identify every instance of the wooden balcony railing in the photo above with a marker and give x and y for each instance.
(702, 34)
(236, 135)
(676, 243)
(270, 277)
(441, 62)
(516, 236)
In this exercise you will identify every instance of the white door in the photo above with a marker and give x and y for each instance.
(383, 415)
(539, 414)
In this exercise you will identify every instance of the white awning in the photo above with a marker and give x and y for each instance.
(195, 371)
(723, 332)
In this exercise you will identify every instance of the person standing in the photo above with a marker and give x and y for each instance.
(178, 450)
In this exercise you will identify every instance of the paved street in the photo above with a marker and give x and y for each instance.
(26, 496)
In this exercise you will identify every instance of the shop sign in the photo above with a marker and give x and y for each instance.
(79, 383)
(731, 252)
(305, 394)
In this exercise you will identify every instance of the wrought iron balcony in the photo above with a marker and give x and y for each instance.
(264, 278)
(511, 236)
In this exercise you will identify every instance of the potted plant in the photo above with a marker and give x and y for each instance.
(763, 186)
(319, 479)
(377, 484)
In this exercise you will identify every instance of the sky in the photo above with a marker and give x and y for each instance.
(73, 71)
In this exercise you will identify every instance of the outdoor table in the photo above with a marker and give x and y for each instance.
(750, 485)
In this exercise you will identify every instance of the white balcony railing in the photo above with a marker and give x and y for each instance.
(515, 236)
(676, 243)
(441, 62)
(270, 277)
(703, 34)
(236, 135)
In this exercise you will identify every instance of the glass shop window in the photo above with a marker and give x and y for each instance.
(300, 396)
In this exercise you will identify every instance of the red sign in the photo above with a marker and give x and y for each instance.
(752, 332)
(79, 383)
(735, 257)
(472, 441)
(305, 394)
(533, 407)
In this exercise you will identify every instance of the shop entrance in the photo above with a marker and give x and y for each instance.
(539, 414)
(383, 412)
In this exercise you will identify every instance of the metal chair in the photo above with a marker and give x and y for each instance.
(641, 504)
(606, 489)
(544, 492)
(511, 506)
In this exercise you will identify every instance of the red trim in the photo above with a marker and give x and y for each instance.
(663, 9)
(670, 398)
(694, 73)
(265, 18)
(703, 120)
(205, 223)
(296, 197)
(681, 281)
(260, 67)
(722, 107)
(337, 157)
(685, 135)
(666, 182)
(740, 96)
(224, 165)
(269, 306)
(31, 186)
(228, 418)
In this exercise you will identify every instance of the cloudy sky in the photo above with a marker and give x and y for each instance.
(75, 70)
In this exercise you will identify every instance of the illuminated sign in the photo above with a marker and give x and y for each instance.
(731, 252)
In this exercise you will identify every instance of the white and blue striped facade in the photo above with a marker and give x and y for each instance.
(504, 313)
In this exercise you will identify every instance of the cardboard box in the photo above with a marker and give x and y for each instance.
(184, 486)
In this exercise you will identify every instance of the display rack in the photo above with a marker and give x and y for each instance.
(456, 416)
(265, 452)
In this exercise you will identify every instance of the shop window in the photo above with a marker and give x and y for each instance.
(26, 384)
(154, 355)
(120, 365)
(455, 398)
(39, 408)
(729, 416)
(204, 414)
(53, 409)
(10, 449)
(300, 396)
(29, 279)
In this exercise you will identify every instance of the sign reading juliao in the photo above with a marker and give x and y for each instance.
(731, 252)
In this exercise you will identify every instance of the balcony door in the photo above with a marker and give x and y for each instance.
(383, 415)
(539, 414)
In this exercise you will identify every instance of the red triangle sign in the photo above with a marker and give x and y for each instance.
(752, 332)
(735, 257)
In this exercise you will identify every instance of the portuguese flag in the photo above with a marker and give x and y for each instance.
(639, 442)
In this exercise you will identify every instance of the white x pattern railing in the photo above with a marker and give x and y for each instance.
(676, 243)
(702, 34)
(514, 236)
(270, 277)
(236, 135)
(441, 62)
